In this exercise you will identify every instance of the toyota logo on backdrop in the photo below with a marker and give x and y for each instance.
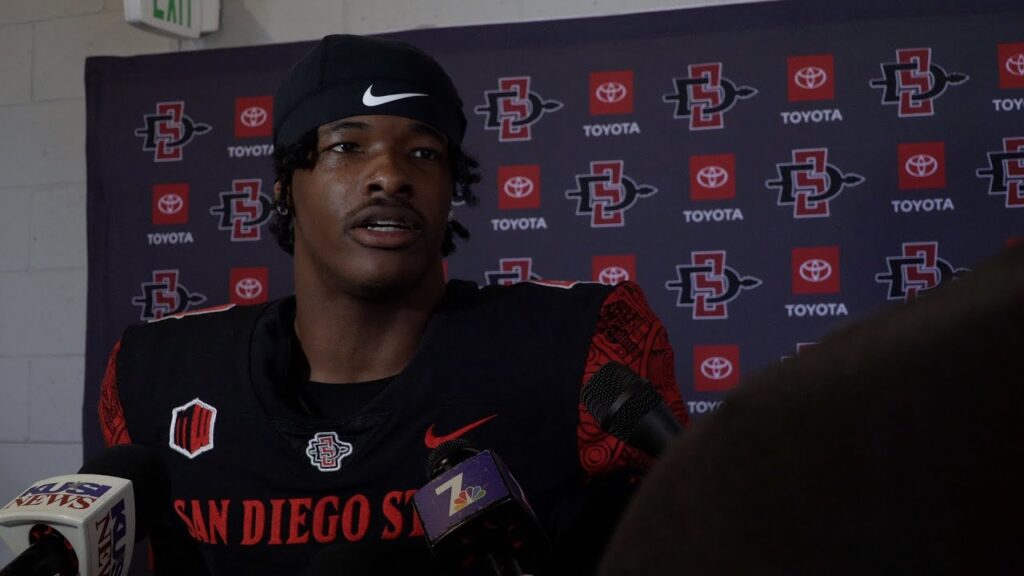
(518, 187)
(810, 77)
(1011, 65)
(815, 270)
(716, 368)
(170, 204)
(248, 288)
(921, 165)
(712, 176)
(248, 285)
(613, 275)
(253, 117)
(610, 92)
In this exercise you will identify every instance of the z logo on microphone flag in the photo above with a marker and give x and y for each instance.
(192, 426)
(913, 82)
(707, 285)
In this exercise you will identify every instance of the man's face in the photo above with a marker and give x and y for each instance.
(370, 216)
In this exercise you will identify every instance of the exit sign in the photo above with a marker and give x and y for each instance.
(181, 18)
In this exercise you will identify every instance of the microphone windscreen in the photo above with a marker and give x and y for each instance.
(151, 482)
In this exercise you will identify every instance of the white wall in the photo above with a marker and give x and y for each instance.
(43, 46)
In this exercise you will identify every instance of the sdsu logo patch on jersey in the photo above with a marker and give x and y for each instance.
(165, 296)
(917, 270)
(1005, 172)
(191, 431)
(243, 210)
(326, 451)
(167, 132)
(707, 285)
(512, 109)
(705, 96)
(511, 271)
(605, 193)
(913, 82)
(809, 183)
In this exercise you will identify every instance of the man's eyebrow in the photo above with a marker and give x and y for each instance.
(342, 125)
(420, 128)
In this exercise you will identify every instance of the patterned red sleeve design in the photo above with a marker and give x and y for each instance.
(628, 332)
(111, 414)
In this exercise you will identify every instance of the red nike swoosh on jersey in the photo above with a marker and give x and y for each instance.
(433, 441)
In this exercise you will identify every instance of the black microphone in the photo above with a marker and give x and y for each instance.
(86, 524)
(475, 516)
(626, 406)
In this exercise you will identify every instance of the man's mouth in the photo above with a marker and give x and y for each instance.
(387, 225)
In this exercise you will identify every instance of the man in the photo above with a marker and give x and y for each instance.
(304, 423)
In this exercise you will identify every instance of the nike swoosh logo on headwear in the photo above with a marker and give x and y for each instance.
(433, 441)
(370, 100)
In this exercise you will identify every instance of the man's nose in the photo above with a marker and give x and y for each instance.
(388, 173)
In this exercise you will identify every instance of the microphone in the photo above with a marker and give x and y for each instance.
(86, 524)
(475, 516)
(626, 406)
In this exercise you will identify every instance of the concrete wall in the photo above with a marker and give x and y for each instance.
(43, 46)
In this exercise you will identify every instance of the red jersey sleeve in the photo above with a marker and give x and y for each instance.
(111, 413)
(628, 332)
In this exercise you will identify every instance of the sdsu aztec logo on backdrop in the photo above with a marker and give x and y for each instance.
(168, 131)
(811, 79)
(243, 210)
(511, 271)
(916, 270)
(705, 96)
(165, 296)
(605, 193)
(809, 183)
(513, 109)
(1005, 172)
(913, 82)
(707, 285)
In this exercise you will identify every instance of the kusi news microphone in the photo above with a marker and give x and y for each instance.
(475, 515)
(627, 406)
(86, 524)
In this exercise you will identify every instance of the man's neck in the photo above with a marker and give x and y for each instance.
(349, 338)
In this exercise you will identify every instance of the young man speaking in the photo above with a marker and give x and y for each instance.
(300, 427)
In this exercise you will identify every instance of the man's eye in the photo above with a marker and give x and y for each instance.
(344, 147)
(427, 154)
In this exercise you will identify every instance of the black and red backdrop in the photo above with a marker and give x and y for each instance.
(766, 172)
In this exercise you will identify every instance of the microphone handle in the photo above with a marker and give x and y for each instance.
(655, 430)
(48, 555)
